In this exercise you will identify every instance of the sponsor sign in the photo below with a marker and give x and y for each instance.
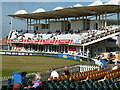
(19, 46)
(72, 48)
(44, 41)
(72, 57)
(48, 41)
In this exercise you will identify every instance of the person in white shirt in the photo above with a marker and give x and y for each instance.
(115, 67)
(53, 73)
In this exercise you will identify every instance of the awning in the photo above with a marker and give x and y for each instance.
(71, 12)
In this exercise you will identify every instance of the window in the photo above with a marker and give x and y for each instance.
(35, 28)
(45, 26)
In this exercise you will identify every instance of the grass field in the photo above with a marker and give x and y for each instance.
(31, 64)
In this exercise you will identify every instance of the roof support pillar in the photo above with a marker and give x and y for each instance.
(99, 17)
(102, 20)
(96, 17)
(30, 24)
(27, 23)
(39, 21)
(36, 21)
(64, 25)
(118, 18)
(86, 23)
(105, 19)
(49, 24)
(67, 25)
(45, 23)
(83, 50)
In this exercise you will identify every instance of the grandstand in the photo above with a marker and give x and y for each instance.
(66, 30)
(78, 30)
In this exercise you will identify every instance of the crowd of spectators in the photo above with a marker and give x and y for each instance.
(105, 60)
(20, 34)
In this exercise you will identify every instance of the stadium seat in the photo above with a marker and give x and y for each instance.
(4, 88)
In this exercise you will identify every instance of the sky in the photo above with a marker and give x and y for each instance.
(10, 7)
(51, 0)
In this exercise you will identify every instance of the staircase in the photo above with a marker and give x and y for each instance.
(101, 37)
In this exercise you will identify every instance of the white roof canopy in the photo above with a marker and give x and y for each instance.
(96, 8)
(21, 12)
(96, 3)
(113, 2)
(77, 5)
(58, 8)
(39, 10)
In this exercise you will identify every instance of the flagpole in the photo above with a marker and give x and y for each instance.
(11, 24)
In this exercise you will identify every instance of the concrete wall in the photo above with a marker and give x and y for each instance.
(92, 24)
(40, 28)
(55, 25)
(77, 24)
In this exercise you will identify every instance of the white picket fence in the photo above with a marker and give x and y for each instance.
(87, 68)
(6, 78)
(12, 77)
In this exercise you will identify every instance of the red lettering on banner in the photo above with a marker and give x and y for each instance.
(32, 41)
(49, 41)
(61, 41)
(64, 41)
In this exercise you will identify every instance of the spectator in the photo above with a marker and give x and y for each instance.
(17, 86)
(37, 82)
(111, 57)
(66, 71)
(115, 67)
(53, 73)
(103, 61)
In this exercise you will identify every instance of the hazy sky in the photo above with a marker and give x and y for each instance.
(52, 0)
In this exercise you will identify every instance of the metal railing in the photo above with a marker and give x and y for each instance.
(45, 76)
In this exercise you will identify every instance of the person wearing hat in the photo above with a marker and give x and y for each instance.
(37, 82)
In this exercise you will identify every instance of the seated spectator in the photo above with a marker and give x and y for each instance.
(53, 73)
(37, 82)
(29, 38)
(27, 31)
(35, 32)
(115, 67)
(52, 36)
(49, 32)
(111, 57)
(103, 61)
(78, 31)
(17, 86)
(66, 71)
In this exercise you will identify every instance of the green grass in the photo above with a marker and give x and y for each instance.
(31, 64)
